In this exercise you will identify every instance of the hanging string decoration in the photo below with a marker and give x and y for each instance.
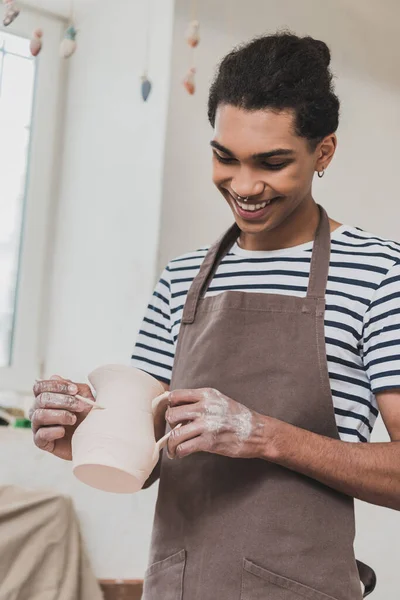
(36, 42)
(69, 45)
(192, 37)
(193, 34)
(146, 83)
(189, 81)
(11, 12)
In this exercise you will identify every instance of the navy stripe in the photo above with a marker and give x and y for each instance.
(388, 344)
(352, 398)
(150, 362)
(369, 255)
(345, 311)
(382, 360)
(380, 301)
(356, 282)
(359, 266)
(344, 327)
(378, 332)
(185, 258)
(389, 313)
(161, 297)
(390, 280)
(155, 337)
(155, 350)
(387, 388)
(353, 415)
(158, 311)
(352, 380)
(159, 325)
(348, 296)
(177, 309)
(352, 432)
(395, 373)
(387, 243)
(166, 283)
(340, 344)
(345, 363)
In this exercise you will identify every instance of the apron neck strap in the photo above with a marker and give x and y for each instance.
(321, 254)
(318, 269)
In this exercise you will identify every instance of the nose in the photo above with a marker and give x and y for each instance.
(244, 185)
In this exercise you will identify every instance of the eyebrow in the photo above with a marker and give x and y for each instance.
(260, 155)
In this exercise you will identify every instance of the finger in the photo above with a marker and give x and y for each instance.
(54, 386)
(180, 414)
(183, 434)
(45, 417)
(179, 397)
(59, 401)
(191, 447)
(45, 437)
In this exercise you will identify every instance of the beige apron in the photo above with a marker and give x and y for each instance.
(236, 529)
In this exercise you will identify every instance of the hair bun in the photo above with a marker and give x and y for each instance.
(322, 50)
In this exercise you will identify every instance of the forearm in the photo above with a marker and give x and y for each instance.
(369, 472)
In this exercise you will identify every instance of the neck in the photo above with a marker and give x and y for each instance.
(298, 228)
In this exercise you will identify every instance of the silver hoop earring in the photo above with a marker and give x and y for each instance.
(321, 173)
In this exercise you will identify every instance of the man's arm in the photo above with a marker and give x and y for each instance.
(367, 471)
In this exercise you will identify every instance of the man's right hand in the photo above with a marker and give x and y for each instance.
(56, 414)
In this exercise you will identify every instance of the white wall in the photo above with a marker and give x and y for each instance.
(360, 187)
(105, 256)
(104, 261)
(360, 184)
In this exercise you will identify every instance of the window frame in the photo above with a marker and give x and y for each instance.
(31, 304)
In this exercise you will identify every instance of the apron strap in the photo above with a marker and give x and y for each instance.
(207, 271)
(318, 269)
(321, 253)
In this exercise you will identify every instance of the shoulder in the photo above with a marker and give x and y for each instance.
(367, 248)
(189, 262)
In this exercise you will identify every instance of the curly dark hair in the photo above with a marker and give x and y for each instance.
(280, 71)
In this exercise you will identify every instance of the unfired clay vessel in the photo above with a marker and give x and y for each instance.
(114, 449)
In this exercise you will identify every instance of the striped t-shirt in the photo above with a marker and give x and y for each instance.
(362, 318)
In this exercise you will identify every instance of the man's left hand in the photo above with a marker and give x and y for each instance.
(212, 422)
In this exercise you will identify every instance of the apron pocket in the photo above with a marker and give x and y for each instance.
(258, 584)
(164, 579)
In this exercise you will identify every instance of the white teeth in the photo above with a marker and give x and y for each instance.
(252, 207)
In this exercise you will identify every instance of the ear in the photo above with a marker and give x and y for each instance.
(325, 152)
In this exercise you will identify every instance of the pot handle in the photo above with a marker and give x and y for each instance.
(162, 398)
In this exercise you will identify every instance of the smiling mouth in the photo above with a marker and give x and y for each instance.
(252, 207)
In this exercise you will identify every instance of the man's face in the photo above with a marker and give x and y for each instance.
(258, 154)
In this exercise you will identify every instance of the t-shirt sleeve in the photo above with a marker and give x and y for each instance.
(154, 349)
(381, 334)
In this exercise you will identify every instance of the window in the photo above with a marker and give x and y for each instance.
(17, 79)
(29, 107)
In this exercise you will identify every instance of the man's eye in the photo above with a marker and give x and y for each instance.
(222, 159)
(275, 166)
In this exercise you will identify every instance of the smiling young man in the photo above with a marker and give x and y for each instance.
(280, 344)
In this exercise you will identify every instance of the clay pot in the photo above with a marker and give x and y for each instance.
(114, 448)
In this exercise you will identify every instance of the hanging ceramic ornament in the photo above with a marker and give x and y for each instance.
(146, 83)
(11, 12)
(36, 42)
(192, 34)
(189, 81)
(68, 45)
(146, 87)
